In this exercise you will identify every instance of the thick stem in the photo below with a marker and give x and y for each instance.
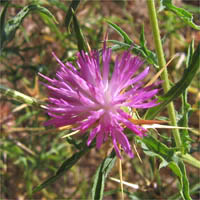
(162, 63)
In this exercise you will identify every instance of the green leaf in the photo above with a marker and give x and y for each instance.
(13, 24)
(180, 12)
(59, 4)
(179, 87)
(140, 50)
(126, 38)
(186, 108)
(149, 55)
(142, 40)
(79, 35)
(136, 49)
(179, 170)
(155, 148)
(194, 190)
(100, 176)
(2, 24)
(66, 165)
(190, 52)
(73, 6)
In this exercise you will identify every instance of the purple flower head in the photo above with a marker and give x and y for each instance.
(88, 98)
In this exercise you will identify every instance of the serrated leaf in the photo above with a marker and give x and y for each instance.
(100, 176)
(180, 12)
(179, 87)
(73, 6)
(66, 165)
(13, 24)
(79, 35)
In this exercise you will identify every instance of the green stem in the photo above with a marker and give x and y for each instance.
(162, 63)
(18, 96)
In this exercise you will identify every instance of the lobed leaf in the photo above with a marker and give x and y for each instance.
(179, 87)
(180, 12)
(100, 176)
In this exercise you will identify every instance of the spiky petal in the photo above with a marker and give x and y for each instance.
(91, 100)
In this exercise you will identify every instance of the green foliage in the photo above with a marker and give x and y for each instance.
(70, 13)
(101, 175)
(179, 87)
(140, 50)
(81, 43)
(153, 147)
(9, 28)
(37, 153)
(186, 109)
(180, 12)
(66, 165)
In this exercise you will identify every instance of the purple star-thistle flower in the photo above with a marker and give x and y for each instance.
(87, 98)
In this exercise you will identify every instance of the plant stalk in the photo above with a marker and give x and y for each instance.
(162, 63)
(18, 96)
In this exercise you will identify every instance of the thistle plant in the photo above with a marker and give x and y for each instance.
(87, 99)
(104, 97)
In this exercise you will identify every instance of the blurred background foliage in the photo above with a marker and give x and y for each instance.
(30, 152)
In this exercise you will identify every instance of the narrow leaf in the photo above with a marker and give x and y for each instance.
(180, 12)
(126, 38)
(2, 24)
(179, 87)
(186, 107)
(67, 164)
(155, 148)
(13, 24)
(140, 50)
(136, 49)
(179, 169)
(100, 176)
(73, 6)
(79, 35)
